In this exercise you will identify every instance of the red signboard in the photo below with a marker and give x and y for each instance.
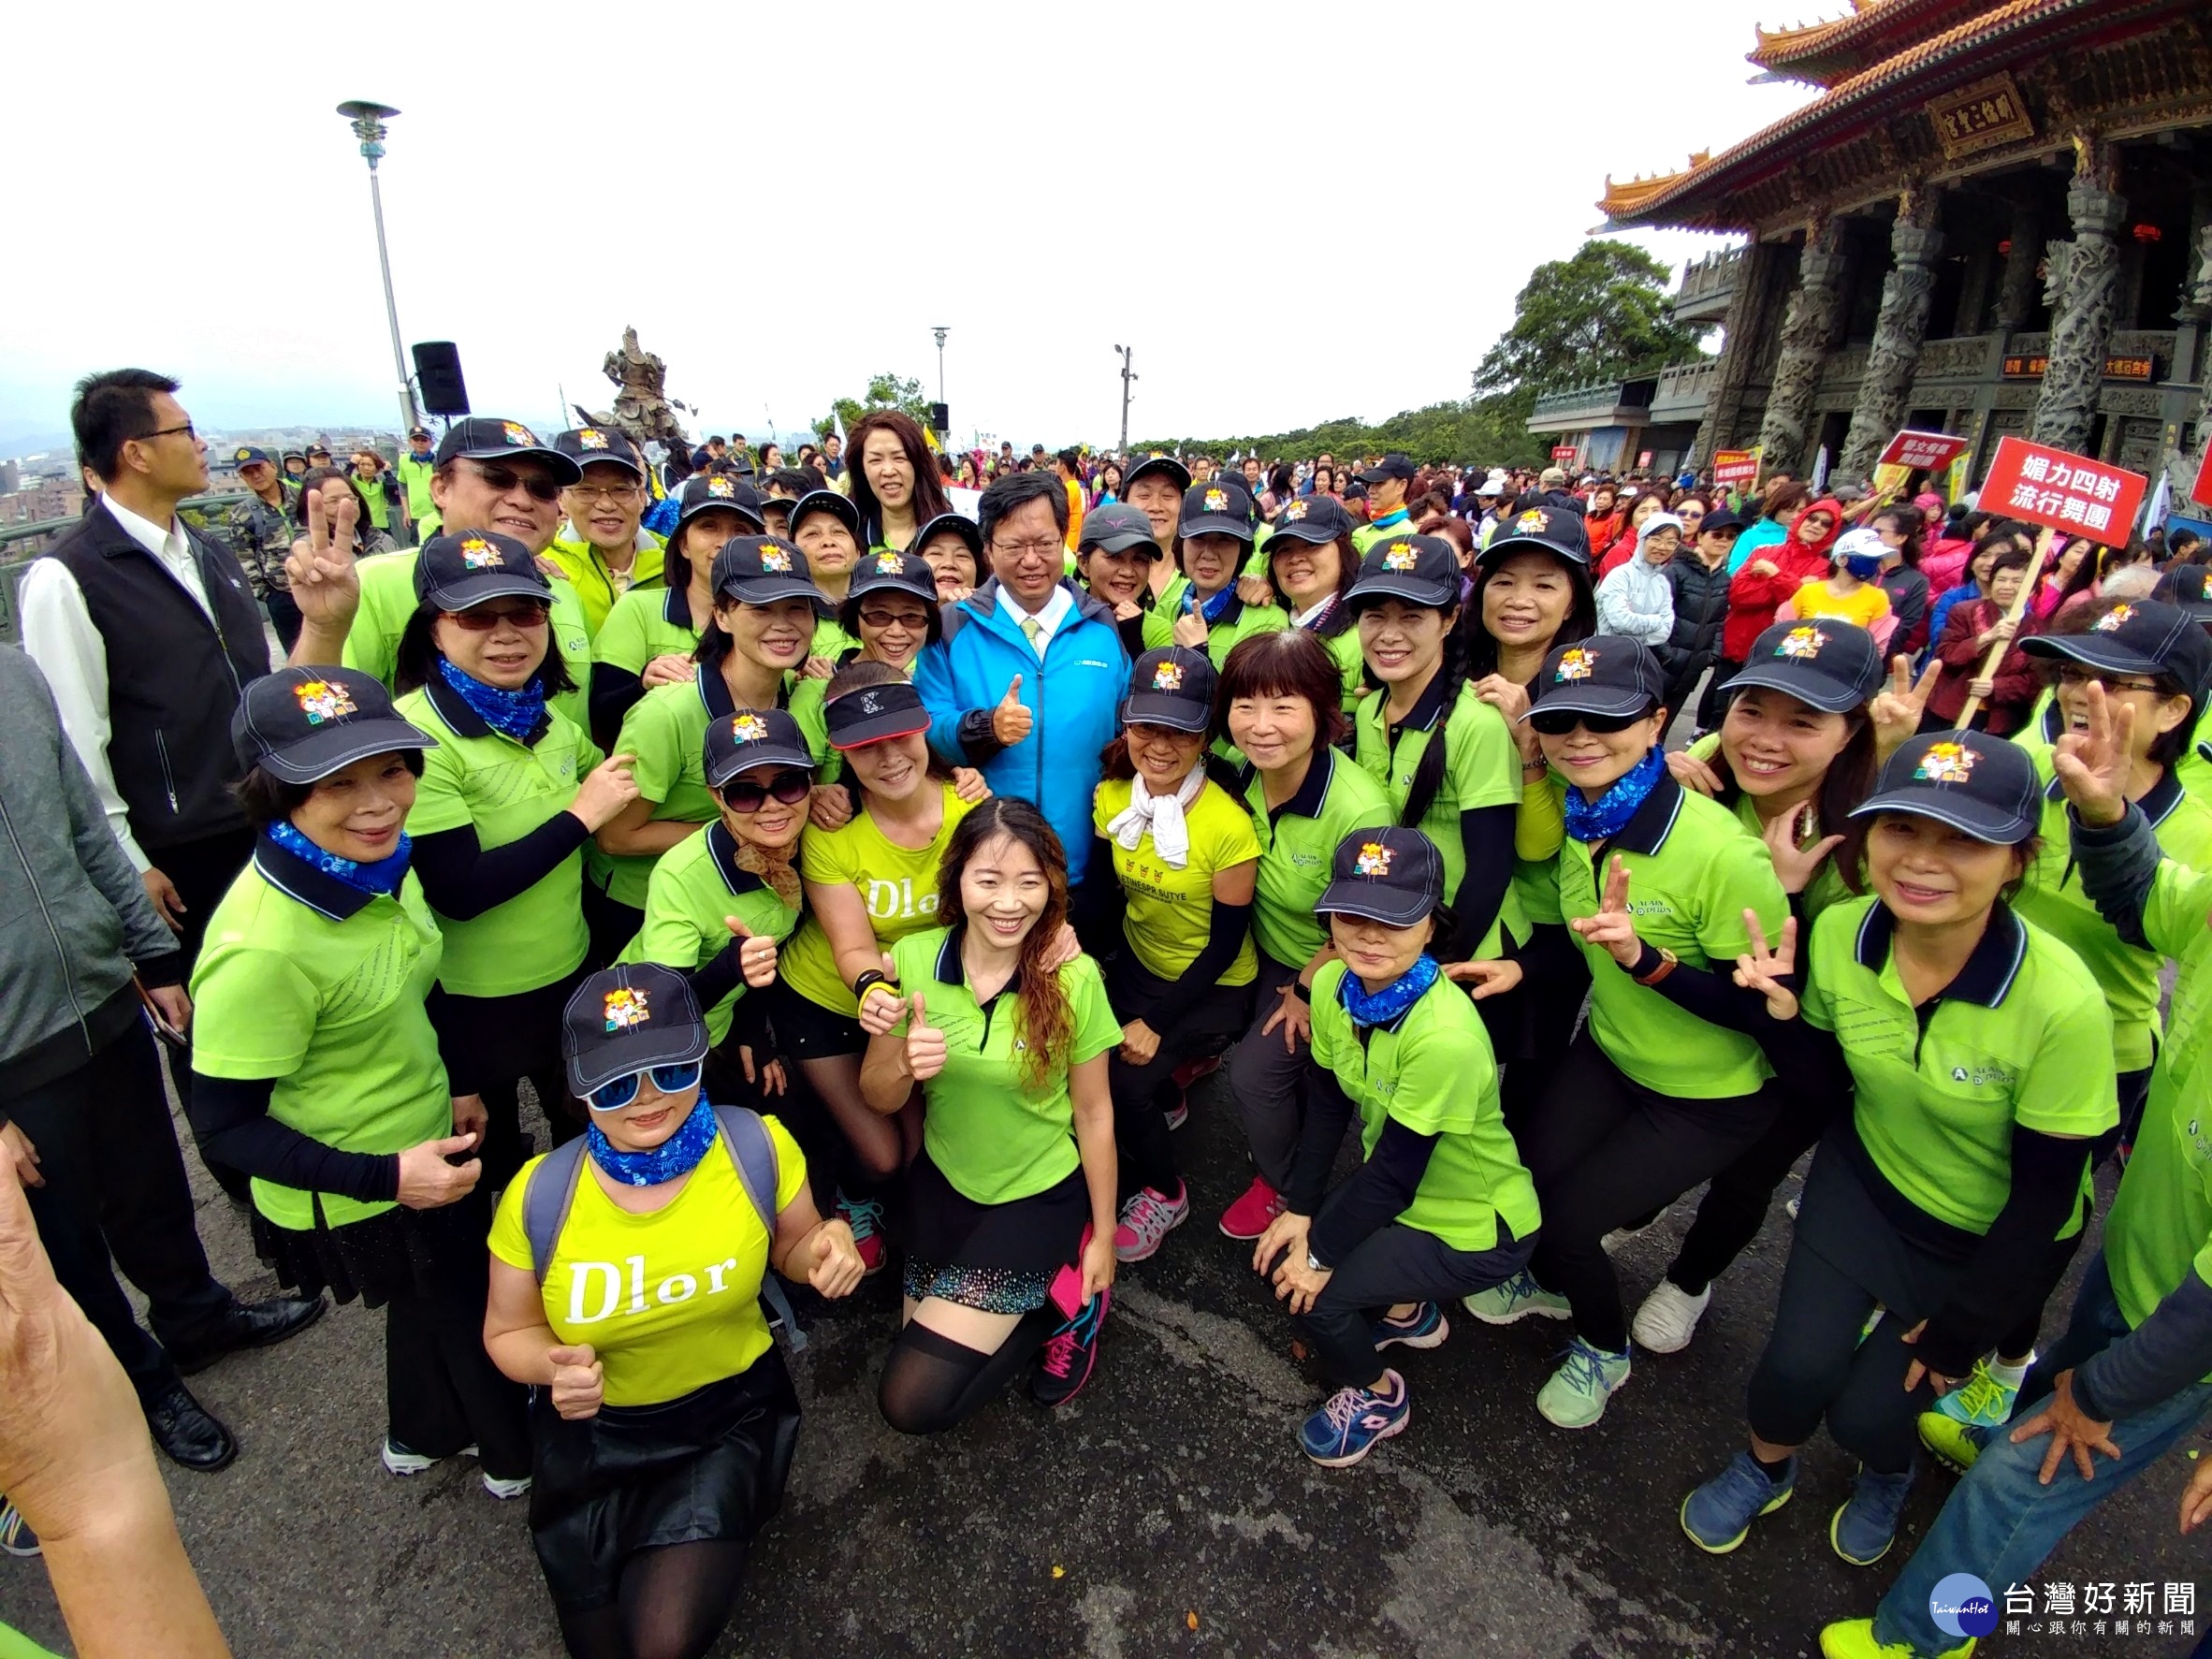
(2068, 492)
(1733, 466)
(1644, 459)
(1562, 452)
(2201, 489)
(1930, 452)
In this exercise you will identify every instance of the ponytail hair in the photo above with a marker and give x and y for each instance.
(1428, 776)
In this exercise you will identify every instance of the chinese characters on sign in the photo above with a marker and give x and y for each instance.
(2068, 492)
(2064, 1609)
(2143, 368)
(1734, 466)
(1922, 451)
(1562, 452)
(1980, 116)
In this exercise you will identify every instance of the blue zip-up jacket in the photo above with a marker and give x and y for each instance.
(1075, 696)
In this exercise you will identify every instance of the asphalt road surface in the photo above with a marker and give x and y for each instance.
(1166, 1511)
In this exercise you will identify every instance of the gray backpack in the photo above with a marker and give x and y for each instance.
(553, 1192)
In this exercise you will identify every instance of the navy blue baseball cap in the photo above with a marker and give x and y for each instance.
(1983, 786)
(1606, 675)
(1171, 686)
(1833, 665)
(1393, 876)
(301, 724)
(485, 437)
(245, 455)
(629, 1019)
(464, 568)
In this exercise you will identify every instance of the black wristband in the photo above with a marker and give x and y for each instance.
(875, 976)
(1303, 991)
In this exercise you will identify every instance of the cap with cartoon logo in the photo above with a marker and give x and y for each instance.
(1831, 664)
(753, 737)
(587, 445)
(2185, 586)
(302, 724)
(761, 570)
(629, 1019)
(1171, 686)
(245, 455)
(485, 437)
(884, 571)
(1313, 519)
(1557, 530)
(825, 500)
(1420, 569)
(1218, 507)
(875, 714)
(1982, 786)
(1608, 675)
(465, 568)
(1393, 876)
(2137, 636)
(707, 490)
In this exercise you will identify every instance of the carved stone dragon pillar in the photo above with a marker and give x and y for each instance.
(2085, 278)
(1901, 327)
(1808, 330)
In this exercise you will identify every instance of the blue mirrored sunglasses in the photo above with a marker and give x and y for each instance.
(670, 1079)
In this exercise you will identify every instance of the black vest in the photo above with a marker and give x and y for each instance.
(174, 679)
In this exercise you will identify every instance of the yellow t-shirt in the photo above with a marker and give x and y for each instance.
(670, 1301)
(1865, 606)
(1172, 910)
(898, 884)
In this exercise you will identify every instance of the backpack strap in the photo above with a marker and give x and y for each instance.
(752, 1149)
(547, 1202)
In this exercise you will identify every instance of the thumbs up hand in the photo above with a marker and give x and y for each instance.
(756, 955)
(579, 1381)
(925, 1045)
(1012, 720)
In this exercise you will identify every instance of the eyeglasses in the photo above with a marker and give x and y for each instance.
(670, 1079)
(605, 492)
(167, 433)
(1040, 548)
(505, 478)
(483, 619)
(907, 619)
(789, 788)
(1558, 723)
(2076, 674)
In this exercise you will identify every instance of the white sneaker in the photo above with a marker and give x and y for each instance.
(400, 1460)
(1669, 1317)
(1146, 1218)
(504, 1489)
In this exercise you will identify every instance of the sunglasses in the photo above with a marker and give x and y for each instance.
(2078, 674)
(1558, 723)
(670, 1079)
(790, 788)
(483, 619)
(502, 479)
(910, 621)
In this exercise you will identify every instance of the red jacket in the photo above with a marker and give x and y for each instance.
(1753, 600)
(2018, 684)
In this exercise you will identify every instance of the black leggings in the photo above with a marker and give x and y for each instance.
(1555, 979)
(1141, 1094)
(1395, 1264)
(1604, 1150)
(673, 1603)
(1735, 1206)
(931, 1383)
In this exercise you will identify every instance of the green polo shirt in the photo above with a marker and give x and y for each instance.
(694, 885)
(995, 1136)
(2019, 1037)
(1692, 874)
(387, 600)
(1826, 886)
(831, 640)
(324, 993)
(596, 586)
(1240, 621)
(1365, 535)
(2053, 899)
(1296, 842)
(1343, 647)
(2161, 1225)
(2194, 769)
(504, 790)
(1482, 768)
(645, 623)
(1432, 1069)
(1170, 911)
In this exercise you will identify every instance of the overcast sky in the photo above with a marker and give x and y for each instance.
(1291, 212)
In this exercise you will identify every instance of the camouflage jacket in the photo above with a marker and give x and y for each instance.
(261, 535)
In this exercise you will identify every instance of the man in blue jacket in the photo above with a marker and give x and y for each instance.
(1028, 682)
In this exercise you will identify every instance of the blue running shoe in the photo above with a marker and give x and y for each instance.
(1423, 1328)
(1347, 1428)
(1864, 1528)
(16, 1536)
(1718, 1516)
(1980, 1402)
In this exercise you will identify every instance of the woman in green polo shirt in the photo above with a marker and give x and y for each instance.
(826, 526)
(650, 632)
(765, 604)
(1311, 564)
(1663, 1088)
(869, 883)
(888, 614)
(720, 902)
(1440, 1206)
(1425, 733)
(1200, 607)
(1184, 859)
(1952, 1193)
(1278, 701)
(1011, 1199)
(318, 1071)
(508, 799)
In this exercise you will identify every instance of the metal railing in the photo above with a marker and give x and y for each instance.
(201, 512)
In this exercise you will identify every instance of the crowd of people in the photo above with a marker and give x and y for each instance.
(855, 884)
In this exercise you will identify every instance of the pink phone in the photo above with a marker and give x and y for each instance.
(1067, 1287)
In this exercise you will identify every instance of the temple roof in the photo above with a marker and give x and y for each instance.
(1826, 53)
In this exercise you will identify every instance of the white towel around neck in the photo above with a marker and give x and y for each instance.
(1161, 814)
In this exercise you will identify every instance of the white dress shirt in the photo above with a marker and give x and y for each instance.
(1048, 617)
(59, 637)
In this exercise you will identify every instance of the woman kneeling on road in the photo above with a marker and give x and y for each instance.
(625, 1289)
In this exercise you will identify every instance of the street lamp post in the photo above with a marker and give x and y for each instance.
(1127, 352)
(940, 332)
(368, 121)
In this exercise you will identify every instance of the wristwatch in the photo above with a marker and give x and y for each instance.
(875, 976)
(1312, 1263)
(1668, 960)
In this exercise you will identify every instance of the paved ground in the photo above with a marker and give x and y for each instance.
(1166, 1511)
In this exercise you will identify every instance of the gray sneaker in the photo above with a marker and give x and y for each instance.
(1718, 1516)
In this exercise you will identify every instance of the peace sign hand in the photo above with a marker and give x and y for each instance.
(1762, 969)
(1897, 711)
(2092, 765)
(324, 585)
(925, 1045)
(1795, 865)
(1613, 929)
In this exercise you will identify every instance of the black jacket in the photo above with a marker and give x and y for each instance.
(1700, 607)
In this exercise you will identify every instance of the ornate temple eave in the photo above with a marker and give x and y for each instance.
(1828, 53)
(1852, 139)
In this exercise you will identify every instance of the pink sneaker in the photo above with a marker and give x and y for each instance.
(1147, 1218)
(1249, 1216)
(1191, 1070)
(866, 1218)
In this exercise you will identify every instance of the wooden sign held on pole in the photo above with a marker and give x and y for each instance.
(1988, 671)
